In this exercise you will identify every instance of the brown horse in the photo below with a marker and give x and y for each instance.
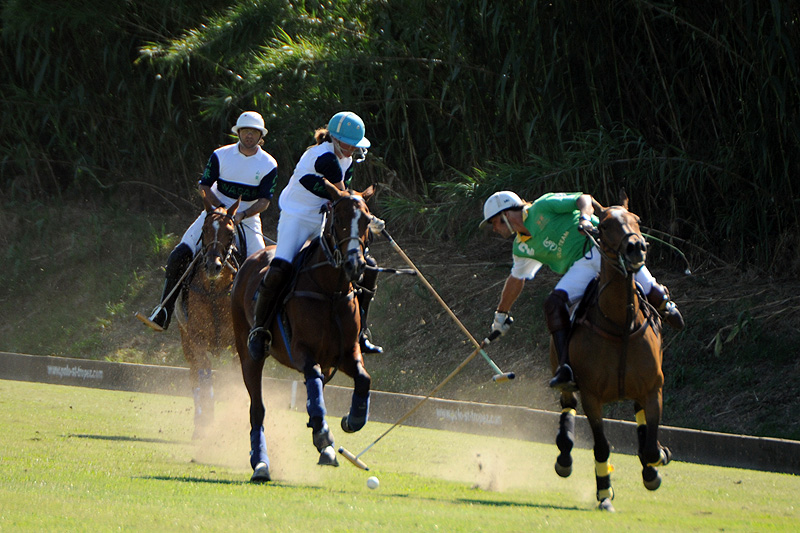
(615, 353)
(204, 317)
(322, 321)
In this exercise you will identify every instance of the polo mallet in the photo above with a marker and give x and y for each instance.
(147, 320)
(355, 459)
(499, 376)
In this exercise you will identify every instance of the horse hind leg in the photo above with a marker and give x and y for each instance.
(565, 439)
(315, 405)
(203, 403)
(359, 405)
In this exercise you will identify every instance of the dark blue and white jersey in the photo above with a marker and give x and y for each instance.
(305, 192)
(231, 174)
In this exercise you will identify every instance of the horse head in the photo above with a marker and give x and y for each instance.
(347, 225)
(218, 237)
(620, 236)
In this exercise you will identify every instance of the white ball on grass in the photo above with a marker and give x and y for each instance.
(372, 482)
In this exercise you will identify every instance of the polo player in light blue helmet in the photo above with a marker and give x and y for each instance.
(347, 130)
(338, 147)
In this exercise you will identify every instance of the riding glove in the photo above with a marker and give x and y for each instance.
(502, 322)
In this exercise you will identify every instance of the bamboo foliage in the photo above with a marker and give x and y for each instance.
(692, 107)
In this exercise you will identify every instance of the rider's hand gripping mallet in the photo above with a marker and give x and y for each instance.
(500, 376)
(356, 459)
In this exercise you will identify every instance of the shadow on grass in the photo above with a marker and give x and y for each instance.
(125, 438)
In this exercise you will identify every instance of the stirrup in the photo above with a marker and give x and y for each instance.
(156, 320)
(564, 379)
(258, 342)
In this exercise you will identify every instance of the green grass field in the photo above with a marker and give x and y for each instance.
(86, 459)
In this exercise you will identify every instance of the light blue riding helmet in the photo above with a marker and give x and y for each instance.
(348, 128)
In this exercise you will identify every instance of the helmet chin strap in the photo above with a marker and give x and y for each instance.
(508, 224)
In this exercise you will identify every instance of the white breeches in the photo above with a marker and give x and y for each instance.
(583, 270)
(252, 233)
(293, 232)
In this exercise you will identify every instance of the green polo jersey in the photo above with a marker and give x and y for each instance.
(552, 220)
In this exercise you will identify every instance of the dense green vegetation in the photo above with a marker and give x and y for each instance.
(693, 108)
(110, 110)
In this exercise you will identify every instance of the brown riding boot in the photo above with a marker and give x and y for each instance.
(270, 293)
(556, 310)
(667, 310)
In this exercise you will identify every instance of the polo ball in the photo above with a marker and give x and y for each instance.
(372, 482)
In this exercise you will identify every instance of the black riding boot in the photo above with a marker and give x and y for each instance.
(556, 311)
(179, 259)
(270, 293)
(667, 310)
(369, 284)
(564, 379)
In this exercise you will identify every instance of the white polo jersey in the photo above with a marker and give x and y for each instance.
(231, 174)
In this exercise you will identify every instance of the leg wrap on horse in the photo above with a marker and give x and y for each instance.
(368, 286)
(270, 294)
(315, 405)
(602, 471)
(258, 447)
(658, 297)
(359, 413)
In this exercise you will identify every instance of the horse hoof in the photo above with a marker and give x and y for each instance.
(346, 427)
(260, 474)
(654, 483)
(605, 505)
(563, 471)
(327, 457)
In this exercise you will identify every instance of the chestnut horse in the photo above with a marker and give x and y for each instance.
(322, 321)
(204, 316)
(615, 352)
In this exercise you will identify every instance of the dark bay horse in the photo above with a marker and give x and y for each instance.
(615, 352)
(322, 325)
(204, 316)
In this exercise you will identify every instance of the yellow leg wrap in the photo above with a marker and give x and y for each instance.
(569, 410)
(603, 469)
(640, 418)
(605, 493)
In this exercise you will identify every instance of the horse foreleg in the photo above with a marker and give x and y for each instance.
(651, 453)
(315, 406)
(602, 451)
(359, 406)
(565, 439)
(259, 460)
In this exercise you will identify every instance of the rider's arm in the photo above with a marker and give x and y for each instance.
(511, 291)
(208, 193)
(260, 205)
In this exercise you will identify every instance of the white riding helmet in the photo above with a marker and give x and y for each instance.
(499, 202)
(348, 128)
(250, 119)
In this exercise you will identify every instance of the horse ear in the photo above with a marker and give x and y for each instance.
(623, 198)
(369, 191)
(596, 205)
(232, 209)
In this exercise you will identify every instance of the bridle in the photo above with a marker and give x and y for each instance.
(211, 249)
(338, 249)
(620, 263)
